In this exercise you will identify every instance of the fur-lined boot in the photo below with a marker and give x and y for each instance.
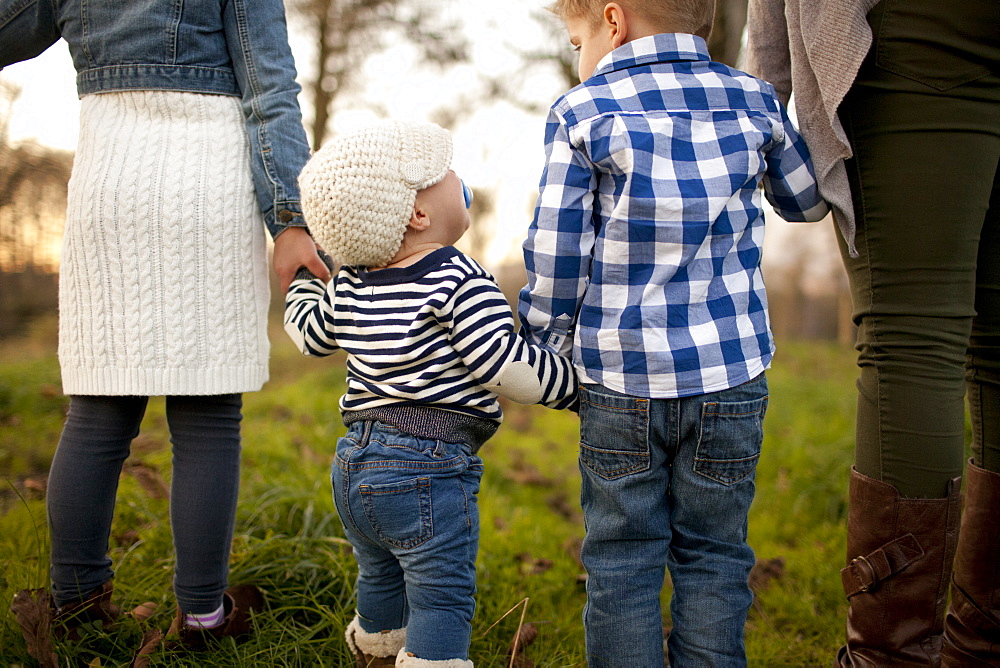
(374, 650)
(407, 660)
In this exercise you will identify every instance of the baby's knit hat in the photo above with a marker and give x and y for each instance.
(358, 191)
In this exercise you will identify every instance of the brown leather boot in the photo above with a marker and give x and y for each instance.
(899, 555)
(95, 611)
(238, 602)
(972, 625)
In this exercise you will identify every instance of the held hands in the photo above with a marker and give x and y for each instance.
(294, 248)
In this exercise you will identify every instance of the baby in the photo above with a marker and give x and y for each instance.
(430, 342)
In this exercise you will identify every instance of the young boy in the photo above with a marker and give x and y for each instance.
(644, 263)
(430, 342)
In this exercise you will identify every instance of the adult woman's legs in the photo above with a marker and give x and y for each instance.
(924, 120)
(983, 359)
(83, 481)
(972, 625)
(205, 432)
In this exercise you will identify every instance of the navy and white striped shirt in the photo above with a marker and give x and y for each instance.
(644, 254)
(431, 334)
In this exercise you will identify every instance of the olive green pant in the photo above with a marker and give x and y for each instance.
(923, 118)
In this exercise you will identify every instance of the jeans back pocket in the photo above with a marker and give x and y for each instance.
(730, 440)
(400, 512)
(613, 432)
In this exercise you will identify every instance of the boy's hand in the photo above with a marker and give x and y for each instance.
(294, 248)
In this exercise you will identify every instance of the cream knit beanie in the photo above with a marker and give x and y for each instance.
(358, 191)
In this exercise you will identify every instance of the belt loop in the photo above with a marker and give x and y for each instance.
(366, 432)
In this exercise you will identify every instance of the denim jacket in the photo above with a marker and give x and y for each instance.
(225, 47)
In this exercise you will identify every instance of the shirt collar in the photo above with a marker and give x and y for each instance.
(664, 47)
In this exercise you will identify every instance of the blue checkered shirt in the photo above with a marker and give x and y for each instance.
(644, 254)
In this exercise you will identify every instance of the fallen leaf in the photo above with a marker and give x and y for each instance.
(532, 566)
(150, 480)
(146, 443)
(32, 609)
(573, 547)
(764, 571)
(525, 635)
(564, 508)
(34, 488)
(127, 538)
(143, 611)
(151, 640)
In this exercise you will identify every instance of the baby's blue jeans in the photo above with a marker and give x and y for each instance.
(409, 508)
(667, 483)
(83, 482)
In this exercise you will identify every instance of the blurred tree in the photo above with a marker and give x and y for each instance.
(478, 238)
(554, 52)
(726, 41)
(347, 32)
(33, 180)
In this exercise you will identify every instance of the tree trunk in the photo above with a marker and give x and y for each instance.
(727, 33)
(321, 97)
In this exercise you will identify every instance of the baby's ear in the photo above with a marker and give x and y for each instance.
(419, 220)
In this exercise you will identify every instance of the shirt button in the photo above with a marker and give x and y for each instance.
(286, 216)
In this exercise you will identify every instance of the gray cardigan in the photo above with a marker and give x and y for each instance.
(816, 48)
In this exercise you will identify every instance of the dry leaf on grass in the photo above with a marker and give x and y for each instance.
(146, 443)
(34, 488)
(33, 611)
(573, 547)
(565, 509)
(150, 480)
(151, 641)
(531, 565)
(526, 635)
(764, 571)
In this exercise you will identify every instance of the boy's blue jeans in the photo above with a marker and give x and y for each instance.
(668, 483)
(409, 508)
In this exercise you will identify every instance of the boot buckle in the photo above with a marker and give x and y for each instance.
(867, 576)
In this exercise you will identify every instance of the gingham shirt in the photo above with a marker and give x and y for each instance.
(644, 254)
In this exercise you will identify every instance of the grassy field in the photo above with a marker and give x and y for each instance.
(288, 538)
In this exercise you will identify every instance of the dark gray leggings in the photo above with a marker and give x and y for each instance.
(83, 481)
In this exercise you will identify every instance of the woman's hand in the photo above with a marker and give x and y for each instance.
(294, 248)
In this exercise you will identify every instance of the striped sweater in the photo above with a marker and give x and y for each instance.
(430, 346)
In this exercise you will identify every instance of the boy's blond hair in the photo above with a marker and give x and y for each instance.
(690, 16)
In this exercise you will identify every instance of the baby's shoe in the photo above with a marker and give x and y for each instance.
(409, 660)
(374, 650)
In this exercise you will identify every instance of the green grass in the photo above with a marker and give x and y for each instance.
(289, 541)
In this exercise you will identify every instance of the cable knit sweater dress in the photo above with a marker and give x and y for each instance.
(163, 284)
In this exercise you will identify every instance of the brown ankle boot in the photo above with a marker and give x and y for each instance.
(899, 555)
(95, 611)
(972, 625)
(238, 602)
